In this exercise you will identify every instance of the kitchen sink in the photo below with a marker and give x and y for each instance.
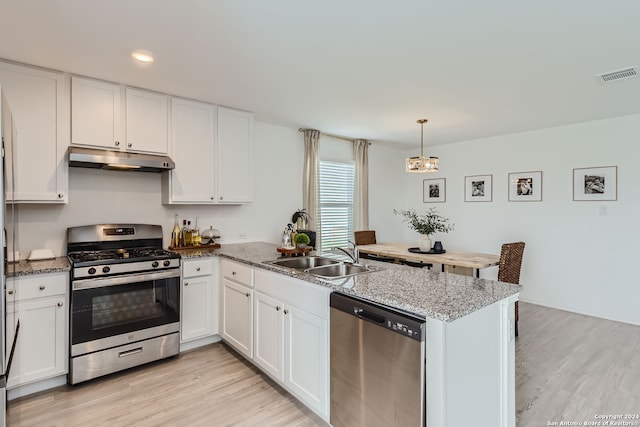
(339, 270)
(305, 262)
(323, 267)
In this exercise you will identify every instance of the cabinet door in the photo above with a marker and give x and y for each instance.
(42, 340)
(193, 151)
(235, 182)
(306, 356)
(147, 121)
(96, 114)
(269, 335)
(39, 101)
(197, 308)
(237, 316)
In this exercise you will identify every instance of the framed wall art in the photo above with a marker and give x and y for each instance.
(525, 186)
(597, 183)
(434, 190)
(478, 188)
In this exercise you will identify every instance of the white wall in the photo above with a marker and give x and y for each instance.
(97, 196)
(580, 256)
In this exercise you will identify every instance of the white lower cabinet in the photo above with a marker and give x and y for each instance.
(40, 304)
(269, 335)
(306, 358)
(199, 299)
(291, 336)
(282, 325)
(237, 307)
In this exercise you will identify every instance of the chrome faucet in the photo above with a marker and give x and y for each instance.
(356, 253)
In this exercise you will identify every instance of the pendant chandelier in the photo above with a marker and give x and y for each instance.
(421, 163)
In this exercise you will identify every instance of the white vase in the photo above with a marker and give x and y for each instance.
(425, 243)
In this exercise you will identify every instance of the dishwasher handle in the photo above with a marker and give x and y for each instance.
(383, 316)
(360, 312)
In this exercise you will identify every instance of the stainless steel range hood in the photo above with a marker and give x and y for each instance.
(117, 160)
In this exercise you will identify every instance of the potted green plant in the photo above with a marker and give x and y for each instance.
(425, 224)
(300, 218)
(301, 240)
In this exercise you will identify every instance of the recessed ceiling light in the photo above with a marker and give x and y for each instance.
(143, 56)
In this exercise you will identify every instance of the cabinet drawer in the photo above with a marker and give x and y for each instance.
(237, 272)
(308, 296)
(197, 267)
(37, 286)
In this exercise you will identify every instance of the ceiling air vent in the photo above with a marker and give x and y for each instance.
(614, 76)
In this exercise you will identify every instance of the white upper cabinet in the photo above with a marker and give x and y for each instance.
(211, 147)
(96, 114)
(235, 132)
(193, 126)
(36, 170)
(110, 116)
(147, 121)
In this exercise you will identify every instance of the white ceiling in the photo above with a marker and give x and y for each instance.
(363, 69)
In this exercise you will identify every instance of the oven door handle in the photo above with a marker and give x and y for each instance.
(128, 279)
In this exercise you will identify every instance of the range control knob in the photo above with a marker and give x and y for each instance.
(167, 263)
(154, 264)
(92, 270)
(106, 269)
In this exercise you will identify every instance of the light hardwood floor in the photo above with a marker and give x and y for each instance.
(209, 386)
(569, 367)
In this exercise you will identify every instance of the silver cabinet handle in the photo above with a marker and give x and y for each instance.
(10, 291)
(248, 294)
(117, 143)
(186, 283)
(286, 312)
(42, 287)
(233, 273)
(221, 198)
(60, 195)
(197, 268)
(60, 304)
(129, 145)
(277, 308)
(212, 197)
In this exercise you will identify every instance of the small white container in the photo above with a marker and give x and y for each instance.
(38, 254)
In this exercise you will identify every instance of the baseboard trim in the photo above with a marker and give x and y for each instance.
(190, 345)
(36, 387)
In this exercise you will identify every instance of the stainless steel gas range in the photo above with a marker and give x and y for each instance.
(125, 298)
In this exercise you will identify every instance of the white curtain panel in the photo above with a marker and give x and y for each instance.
(310, 180)
(361, 185)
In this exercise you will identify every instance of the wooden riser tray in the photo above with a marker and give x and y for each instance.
(294, 251)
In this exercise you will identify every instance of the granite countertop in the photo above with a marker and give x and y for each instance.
(27, 268)
(197, 252)
(442, 296)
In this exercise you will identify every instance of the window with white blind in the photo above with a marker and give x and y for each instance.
(336, 181)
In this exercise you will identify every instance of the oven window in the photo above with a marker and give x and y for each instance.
(122, 308)
(112, 310)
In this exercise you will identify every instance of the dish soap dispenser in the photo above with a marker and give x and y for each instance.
(286, 239)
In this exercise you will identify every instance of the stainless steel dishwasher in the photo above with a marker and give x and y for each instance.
(377, 365)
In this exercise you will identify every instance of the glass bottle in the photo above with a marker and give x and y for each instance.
(175, 235)
(183, 233)
(189, 235)
(197, 238)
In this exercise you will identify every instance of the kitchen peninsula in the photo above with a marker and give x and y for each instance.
(469, 328)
